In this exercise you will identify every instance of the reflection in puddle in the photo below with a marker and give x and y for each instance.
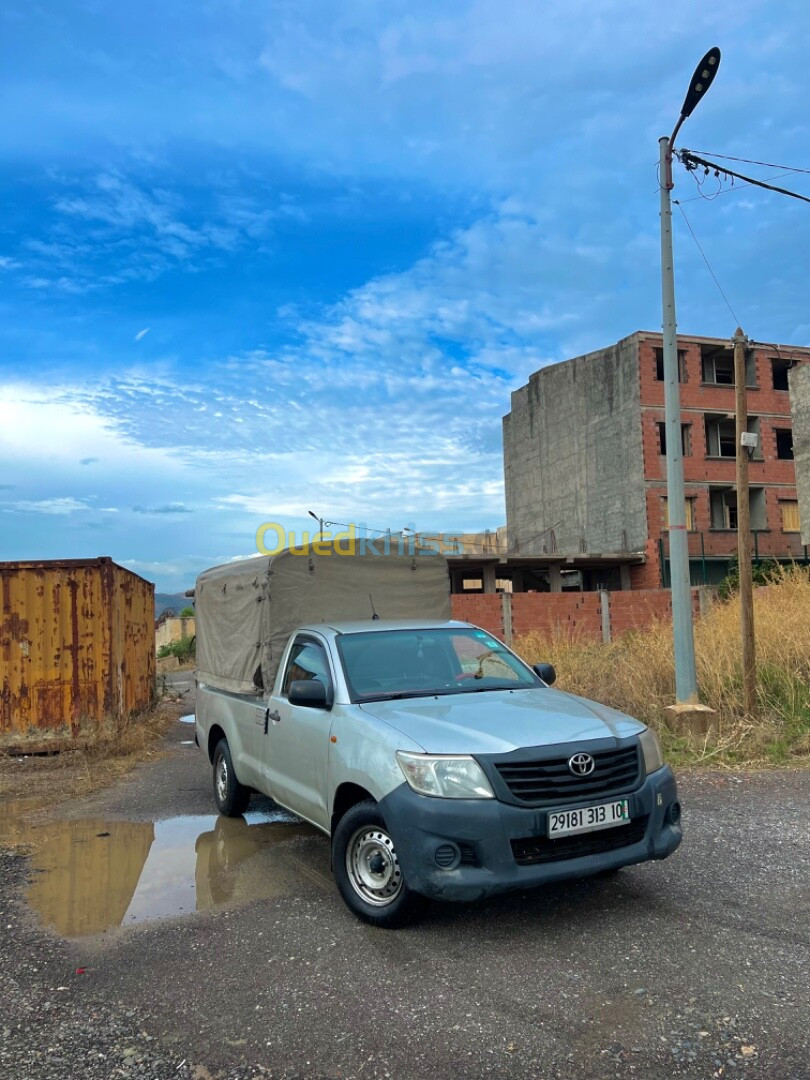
(90, 876)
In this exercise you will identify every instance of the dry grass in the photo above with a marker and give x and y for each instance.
(100, 760)
(636, 675)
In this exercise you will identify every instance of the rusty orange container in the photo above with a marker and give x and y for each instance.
(77, 648)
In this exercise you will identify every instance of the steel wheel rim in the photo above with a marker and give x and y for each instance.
(373, 867)
(221, 779)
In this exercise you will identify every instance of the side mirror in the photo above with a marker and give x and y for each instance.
(308, 692)
(546, 672)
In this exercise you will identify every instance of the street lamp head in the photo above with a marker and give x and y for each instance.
(701, 81)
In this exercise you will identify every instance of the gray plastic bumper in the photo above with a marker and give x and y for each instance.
(462, 849)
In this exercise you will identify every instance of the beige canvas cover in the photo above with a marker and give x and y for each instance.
(245, 611)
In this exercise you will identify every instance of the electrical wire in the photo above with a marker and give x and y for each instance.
(708, 264)
(727, 190)
(750, 161)
(692, 161)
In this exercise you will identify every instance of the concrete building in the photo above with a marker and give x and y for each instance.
(585, 466)
(800, 411)
(486, 563)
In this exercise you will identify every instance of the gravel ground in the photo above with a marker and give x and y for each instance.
(695, 967)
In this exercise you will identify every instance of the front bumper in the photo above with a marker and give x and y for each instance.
(482, 831)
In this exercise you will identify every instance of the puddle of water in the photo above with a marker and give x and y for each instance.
(89, 876)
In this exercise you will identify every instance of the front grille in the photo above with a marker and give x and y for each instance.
(540, 849)
(549, 780)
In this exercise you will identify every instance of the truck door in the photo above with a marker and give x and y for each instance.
(296, 750)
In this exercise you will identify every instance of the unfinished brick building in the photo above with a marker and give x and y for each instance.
(585, 466)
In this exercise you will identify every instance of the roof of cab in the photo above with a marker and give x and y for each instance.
(358, 626)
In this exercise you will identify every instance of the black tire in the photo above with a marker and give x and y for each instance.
(377, 894)
(231, 797)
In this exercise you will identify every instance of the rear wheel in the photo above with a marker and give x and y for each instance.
(367, 870)
(231, 797)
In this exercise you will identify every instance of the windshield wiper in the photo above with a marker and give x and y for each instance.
(485, 689)
(396, 695)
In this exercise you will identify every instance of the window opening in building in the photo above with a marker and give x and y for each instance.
(723, 505)
(784, 444)
(659, 365)
(724, 508)
(718, 365)
(721, 437)
(790, 515)
(689, 506)
(779, 372)
(686, 439)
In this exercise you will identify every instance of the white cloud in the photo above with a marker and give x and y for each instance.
(54, 430)
(58, 506)
(142, 333)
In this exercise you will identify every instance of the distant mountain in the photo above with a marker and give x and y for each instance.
(175, 601)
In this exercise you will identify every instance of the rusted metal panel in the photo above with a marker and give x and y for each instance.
(76, 649)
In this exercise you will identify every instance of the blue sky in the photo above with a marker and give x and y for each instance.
(258, 257)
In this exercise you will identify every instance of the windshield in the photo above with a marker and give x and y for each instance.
(420, 663)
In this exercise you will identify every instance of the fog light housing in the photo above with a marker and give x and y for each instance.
(447, 856)
(674, 814)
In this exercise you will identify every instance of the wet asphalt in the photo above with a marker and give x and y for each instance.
(697, 966)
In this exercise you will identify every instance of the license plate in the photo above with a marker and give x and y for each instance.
(588, 818)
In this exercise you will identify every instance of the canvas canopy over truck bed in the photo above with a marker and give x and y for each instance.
(245, 611)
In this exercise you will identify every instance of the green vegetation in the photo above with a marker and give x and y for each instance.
(187, 612)
(763, 573)
(185, 649)
(635, 674)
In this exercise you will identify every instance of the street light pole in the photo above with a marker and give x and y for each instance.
(680, 583)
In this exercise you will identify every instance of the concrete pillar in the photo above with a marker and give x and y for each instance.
(506, 617)
(517, 581)
(554, 578)
(489, 575)
(624, 576)
(604, 605)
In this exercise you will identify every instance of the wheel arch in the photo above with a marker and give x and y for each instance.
(347, 795)
(215, 735)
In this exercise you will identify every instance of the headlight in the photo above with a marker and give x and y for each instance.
(458, 777)
(651, 749)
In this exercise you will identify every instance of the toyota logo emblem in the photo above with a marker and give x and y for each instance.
(581, 764)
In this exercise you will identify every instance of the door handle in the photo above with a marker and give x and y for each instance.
(274, 716)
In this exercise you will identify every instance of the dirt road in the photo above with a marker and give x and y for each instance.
(181, 945)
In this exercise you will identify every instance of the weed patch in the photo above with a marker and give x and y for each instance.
(636, 675)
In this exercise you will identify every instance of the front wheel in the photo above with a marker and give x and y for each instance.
(231, 797)
(367, 870)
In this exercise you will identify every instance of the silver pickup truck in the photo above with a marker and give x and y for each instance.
(438, 762)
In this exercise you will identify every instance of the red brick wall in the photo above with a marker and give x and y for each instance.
(640, 608)
(570, 614)
(483, 609)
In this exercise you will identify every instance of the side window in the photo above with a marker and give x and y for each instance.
(307, 661)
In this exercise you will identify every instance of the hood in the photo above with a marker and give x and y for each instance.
(500, 721)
